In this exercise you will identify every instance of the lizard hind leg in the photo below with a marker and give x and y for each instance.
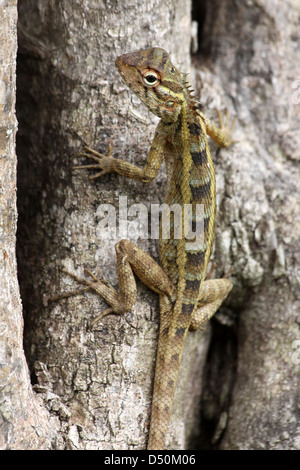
(213, 293)
(100, 286)
(120, 302)
(130, 259)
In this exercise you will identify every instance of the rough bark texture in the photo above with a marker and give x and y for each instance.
(253, 49)
(24, 422)
(97, 384)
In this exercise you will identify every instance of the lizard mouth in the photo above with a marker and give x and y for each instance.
(119, 64)
(121, 67)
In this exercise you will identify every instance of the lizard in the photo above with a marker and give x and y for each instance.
(187, 298)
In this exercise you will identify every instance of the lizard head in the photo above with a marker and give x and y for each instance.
(151, 75)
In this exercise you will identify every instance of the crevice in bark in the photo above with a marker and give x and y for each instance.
(37, 142)
(199, 15)
(29, 188)
(219, 378)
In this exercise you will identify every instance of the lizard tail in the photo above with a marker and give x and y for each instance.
(170, 347)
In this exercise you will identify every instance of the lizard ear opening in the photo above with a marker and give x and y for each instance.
(170, 104)
(151, 78)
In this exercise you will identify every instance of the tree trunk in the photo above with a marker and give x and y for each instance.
(24, 422)
(96, 384)
(255, 54)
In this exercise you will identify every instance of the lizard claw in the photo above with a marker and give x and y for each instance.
(97, 279)
(227, 121)
(103, 314)
(212, 268)
(229, 272)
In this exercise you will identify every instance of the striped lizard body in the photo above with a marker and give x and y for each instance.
(187, 300)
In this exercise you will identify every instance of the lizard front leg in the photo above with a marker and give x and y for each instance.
(222, 135)
(130, 259)
(108, 164)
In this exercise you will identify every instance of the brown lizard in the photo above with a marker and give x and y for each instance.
(187, 300)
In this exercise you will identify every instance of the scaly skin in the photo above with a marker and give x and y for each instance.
(187, 301)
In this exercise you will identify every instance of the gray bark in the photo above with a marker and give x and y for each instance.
(96, 385)
(255, 54)
(24, 422)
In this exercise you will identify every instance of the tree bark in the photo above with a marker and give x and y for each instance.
(254, 51)
(24, 422)
(96, 384)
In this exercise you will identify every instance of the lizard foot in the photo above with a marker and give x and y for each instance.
(88, 286)
(96, 284)
(100, 286)
(227, 127)
(104, 162)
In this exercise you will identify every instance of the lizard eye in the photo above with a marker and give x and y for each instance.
(151, 78)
